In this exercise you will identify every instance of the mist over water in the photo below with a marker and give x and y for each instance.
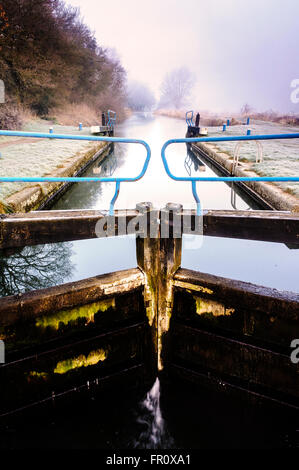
(238, 54)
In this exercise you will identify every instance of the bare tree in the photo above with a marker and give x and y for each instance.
(36, 267)
(176, 87)
(246, 109)
(140, 97)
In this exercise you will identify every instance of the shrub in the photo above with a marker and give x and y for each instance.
(10, 116)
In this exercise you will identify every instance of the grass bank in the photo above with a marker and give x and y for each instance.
(35, 157)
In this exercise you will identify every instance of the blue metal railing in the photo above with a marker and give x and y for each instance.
(111, 118)
(227, 179)
(189, 118)
(78, 179)
(119, 180)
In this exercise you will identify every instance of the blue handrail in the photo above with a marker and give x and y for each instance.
(111, 118)
(189, 119)
(194, 179)
(78, 179)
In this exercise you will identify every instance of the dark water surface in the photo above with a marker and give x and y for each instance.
(169, 416)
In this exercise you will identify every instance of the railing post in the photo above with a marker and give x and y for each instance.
(169, 262)
(147, 250)
(159, 257)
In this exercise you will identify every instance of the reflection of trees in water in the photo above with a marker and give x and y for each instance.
(233, 197)
(107, 167)
(120, 152)
(114, 160)
(192, 160)
(87, 195)
(36, 267)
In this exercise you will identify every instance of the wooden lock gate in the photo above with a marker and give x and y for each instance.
(123, 328)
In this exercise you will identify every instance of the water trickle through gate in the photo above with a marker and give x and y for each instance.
(154, 433)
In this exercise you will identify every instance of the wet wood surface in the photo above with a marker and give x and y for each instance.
(35, 228)
(239, 293)
(68, 295)
(273, 372)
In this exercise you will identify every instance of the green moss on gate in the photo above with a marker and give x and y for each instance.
(64, 317)
(37, 375)
(92, 359)
(211, 307)
(31, 331)
(67, 365)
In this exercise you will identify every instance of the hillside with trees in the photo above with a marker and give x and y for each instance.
(49, 58)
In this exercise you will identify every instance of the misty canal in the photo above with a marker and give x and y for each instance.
(267, 264)
(169, 415)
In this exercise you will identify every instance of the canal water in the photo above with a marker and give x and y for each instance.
(268, 264)
(169, 416)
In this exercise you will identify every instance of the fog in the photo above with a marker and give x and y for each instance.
(239, 51)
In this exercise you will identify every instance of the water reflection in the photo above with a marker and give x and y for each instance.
(155, 186)
(87, 195)
(268, 264)
(192, 160)
(108, 167)
(32, 268)
(233, 197)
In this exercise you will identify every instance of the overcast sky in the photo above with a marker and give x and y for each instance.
(239, 51)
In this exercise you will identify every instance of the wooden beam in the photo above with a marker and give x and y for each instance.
(240, 294)
(122, 348)
(271, 226)
(67, 296)
(227, 357)
(34, 228)
(206, 382)
(112, 382)
(159, 256)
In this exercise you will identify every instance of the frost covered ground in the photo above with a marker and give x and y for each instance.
(20, 157)
(29, 157)
(281, 157)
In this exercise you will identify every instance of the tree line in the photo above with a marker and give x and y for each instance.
(175, 91)
(49, 56)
